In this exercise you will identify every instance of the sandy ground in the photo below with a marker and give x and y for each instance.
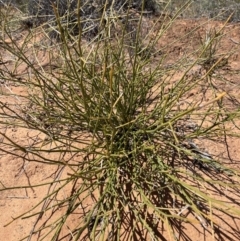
(15, 171)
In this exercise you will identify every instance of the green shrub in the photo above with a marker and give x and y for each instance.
(125, 134)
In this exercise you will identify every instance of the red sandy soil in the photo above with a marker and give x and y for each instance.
(17, 172)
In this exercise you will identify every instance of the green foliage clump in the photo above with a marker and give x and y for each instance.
(125, 132)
